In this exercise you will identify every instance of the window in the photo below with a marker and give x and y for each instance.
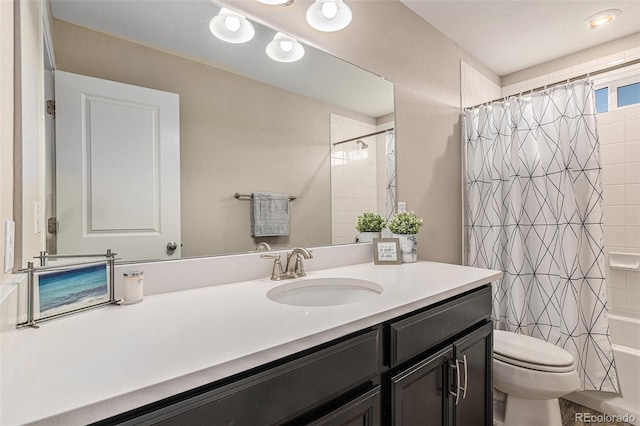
(618, 89)
(627, 95)
(602, 100)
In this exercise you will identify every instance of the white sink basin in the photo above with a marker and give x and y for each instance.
(325, 292)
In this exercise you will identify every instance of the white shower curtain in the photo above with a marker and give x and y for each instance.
(390, 150)
(533, 182)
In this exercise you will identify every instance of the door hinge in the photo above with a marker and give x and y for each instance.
(52, 225)
(51, 108)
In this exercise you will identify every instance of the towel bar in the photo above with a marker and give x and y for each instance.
(239, 196)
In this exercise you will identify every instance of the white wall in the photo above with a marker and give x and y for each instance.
(29, 127)
(552, 75)
(475, 88)
(6, 122)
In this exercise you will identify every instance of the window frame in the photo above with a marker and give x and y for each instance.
(613, 81)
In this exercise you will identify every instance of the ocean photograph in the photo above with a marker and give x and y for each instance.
(72, 288)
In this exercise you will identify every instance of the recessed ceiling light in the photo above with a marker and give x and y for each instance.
(602, 18)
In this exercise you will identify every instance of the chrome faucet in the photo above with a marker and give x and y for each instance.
(262, 246)
(295, 265)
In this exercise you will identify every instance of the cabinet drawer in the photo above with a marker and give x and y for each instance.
(413, 335)
(362, 411)
(281, 393)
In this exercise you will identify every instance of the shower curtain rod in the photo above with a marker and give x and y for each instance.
(557, 83)
(364, 136)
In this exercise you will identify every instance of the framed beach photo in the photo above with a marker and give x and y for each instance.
(386, 251)
(69, 289)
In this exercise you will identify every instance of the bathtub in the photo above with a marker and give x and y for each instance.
(625, 339)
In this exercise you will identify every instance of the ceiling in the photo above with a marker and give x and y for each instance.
(508, 36)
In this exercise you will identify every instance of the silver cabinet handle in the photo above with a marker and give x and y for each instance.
(464, 388)
(171, 247)
(457, 392)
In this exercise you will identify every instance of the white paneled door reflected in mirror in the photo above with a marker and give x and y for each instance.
(244, 123)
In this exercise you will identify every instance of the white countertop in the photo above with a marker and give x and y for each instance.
(95, 364)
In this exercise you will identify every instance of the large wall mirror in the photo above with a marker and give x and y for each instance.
(317, 129)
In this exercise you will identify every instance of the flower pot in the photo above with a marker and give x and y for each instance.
(367, 237)
(408, 247)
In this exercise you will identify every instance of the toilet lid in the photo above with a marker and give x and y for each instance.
(529, 352)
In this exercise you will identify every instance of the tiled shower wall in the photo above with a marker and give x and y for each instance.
(361, 180)
(619, 132)
(353, 177)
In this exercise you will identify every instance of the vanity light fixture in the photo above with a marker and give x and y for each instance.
(278, 2)
(284, 48)
(602, 18)
(329, 15)
(231, 27)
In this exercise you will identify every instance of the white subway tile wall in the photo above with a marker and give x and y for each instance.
(353, 177)
(574, 71)
(619, 132)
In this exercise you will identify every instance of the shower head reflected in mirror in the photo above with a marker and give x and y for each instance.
(362, 145)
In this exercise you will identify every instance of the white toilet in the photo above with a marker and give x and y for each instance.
(532, 374)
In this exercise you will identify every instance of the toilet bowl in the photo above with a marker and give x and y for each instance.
(532, 374)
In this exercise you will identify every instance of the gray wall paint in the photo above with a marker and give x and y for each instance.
(387, 38)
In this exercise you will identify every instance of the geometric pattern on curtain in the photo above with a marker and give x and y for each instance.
(390, 191)
(534, 194)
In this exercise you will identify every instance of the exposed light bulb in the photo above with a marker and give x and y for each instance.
(286, 46)
(231, 27)
(277, 2)
(329, 15)
(329, 9)
(601, 21)
(284, 49)
(232, 23)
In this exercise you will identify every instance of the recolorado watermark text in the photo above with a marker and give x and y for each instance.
(603, 418)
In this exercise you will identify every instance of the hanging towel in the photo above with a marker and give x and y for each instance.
(269, 214)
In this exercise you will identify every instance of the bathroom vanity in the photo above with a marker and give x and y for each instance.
(226, 354)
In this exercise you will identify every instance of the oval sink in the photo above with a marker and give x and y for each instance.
(324, 292)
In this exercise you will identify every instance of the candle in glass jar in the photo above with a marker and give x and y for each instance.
(133, 286)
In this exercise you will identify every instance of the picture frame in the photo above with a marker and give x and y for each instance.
(386, 251)
(67, 289)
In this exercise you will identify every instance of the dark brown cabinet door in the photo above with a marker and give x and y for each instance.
(419, 393)
(474, 355)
